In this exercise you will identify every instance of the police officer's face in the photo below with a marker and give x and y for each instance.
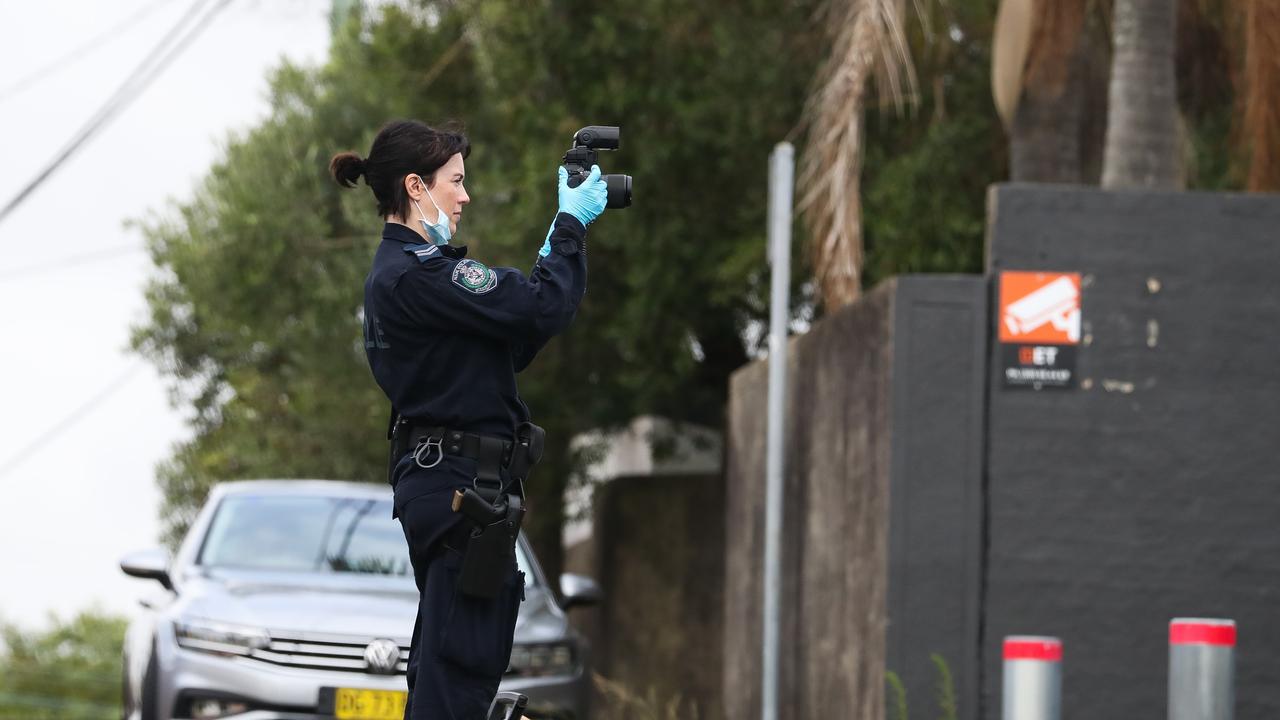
(447, 191)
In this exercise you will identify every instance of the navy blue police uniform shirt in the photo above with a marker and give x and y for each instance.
(445, 335)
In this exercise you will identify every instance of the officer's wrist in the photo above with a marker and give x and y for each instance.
(569, 221)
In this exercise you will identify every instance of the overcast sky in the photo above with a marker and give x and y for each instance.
(78, 490)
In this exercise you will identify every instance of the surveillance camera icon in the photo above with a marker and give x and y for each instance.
(1056, 304)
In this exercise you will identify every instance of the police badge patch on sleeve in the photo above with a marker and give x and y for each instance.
(474, 277)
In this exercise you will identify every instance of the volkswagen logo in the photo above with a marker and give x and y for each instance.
(382, 656)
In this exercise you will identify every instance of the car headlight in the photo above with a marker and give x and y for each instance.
(545, 659)
(217, 637)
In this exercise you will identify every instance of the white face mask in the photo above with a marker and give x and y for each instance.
(438, 231)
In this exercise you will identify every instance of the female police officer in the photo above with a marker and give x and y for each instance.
(445, 336)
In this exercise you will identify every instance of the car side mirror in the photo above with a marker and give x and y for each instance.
(578, 590)
(152, 564)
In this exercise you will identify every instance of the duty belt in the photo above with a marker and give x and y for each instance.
(430, 443)
(495, 509)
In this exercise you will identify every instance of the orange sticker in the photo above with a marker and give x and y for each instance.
(1040, 307)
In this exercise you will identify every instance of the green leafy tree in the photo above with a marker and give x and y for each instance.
(925, 176)
(702, 92)
(71, 671)
(256, 314)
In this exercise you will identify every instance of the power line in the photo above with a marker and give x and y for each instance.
(59, 428)
(79, 53)
(164, 53)
(325, 244)
(79, 259)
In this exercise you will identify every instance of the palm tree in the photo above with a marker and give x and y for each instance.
(1049, 85)
(1051, 66)
(1261, 90)
(1050, 69)
(1143, 148)
(869, 42)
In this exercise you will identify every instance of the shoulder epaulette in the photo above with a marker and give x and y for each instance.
(423, 252)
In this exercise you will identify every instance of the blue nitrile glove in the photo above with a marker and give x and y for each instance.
(585, 202)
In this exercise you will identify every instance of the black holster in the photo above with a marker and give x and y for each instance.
(489, 558)
(497, 511)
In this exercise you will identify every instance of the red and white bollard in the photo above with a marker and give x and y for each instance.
(1032, 678)
(1201, 669)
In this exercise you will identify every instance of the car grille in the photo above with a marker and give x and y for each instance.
(323, 652)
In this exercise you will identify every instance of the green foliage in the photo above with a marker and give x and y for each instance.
(70, 671)
(1210, 167)
(256, 314)
(946, 688)
(899, 695)
(702, 92)
(926, 175)
(946, 691)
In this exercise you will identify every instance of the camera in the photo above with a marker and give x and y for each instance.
(582, 156)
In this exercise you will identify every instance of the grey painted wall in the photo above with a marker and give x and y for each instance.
(1152, 490)
(935, 504)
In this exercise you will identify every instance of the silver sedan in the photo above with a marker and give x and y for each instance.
(294, 599)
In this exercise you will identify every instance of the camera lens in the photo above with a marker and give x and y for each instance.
(619, 187)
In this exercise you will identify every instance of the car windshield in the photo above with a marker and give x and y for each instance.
(310, 533)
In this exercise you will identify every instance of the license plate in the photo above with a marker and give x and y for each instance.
(357, 704)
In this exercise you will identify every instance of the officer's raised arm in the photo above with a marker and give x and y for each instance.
(448, 294)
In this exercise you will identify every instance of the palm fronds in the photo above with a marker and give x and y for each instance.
(868, 42)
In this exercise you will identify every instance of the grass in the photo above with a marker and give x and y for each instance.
(946, 692)
(621, 703)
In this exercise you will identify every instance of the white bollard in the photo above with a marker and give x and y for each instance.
(1032, 678)
(1201, 669)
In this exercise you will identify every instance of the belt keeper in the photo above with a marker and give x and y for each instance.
(489, 463)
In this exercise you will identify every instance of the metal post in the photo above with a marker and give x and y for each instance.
(781, 173)
(1201, 669)
(1032, 678)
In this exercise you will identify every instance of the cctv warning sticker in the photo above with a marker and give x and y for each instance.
(1039, 328)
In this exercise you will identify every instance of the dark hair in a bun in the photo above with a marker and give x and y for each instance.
(401, 147)
(346, 168)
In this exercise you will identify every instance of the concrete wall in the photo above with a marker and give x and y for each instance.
(1151, 490)
(884, 418)
(648, 446)
(657, 550)
(834, 558)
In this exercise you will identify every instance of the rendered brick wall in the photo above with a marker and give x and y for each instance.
(1152, 490)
